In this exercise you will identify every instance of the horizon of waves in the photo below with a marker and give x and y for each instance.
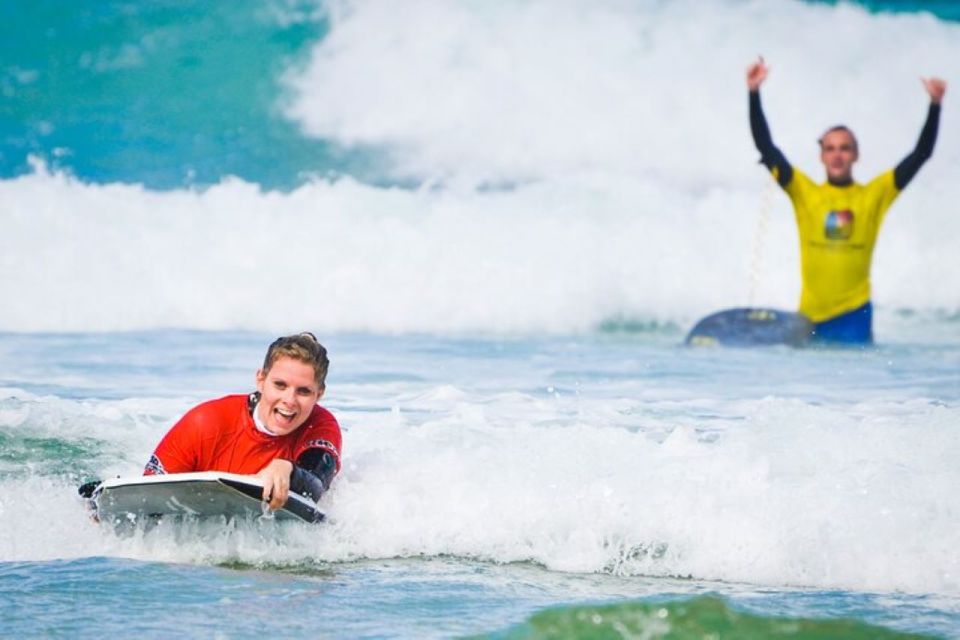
(532, 180)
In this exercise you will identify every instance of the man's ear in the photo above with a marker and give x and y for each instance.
(322, 390)
(259, 378)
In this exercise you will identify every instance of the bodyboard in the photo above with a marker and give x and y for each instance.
(751, 327)
(193, 495)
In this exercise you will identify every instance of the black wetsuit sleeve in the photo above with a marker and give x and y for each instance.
(770, 155)
(312, 473)
(908, 167)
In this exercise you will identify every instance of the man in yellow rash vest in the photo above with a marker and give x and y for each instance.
(839, 220)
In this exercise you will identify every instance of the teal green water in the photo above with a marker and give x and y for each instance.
(695, 619)
(97, 597)
(21, 456)
(164, 93)
(945, 9)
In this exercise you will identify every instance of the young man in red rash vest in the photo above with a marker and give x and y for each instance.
(278, 433)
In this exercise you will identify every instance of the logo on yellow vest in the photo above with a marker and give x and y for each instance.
(838, 225)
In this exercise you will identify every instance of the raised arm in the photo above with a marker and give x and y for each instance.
(909, 166)
(770, 155)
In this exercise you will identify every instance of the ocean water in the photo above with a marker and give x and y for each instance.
(501, 218)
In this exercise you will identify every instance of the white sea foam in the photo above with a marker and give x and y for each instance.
(621, 128)
(770, 490)
(549, 257)
(794, 494)
(543, 89)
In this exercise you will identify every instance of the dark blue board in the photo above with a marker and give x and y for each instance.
(751, 327)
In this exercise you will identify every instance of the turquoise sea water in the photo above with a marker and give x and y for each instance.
(501, 218)
(489, 479)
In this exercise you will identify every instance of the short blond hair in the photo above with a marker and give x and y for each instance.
(304, 347)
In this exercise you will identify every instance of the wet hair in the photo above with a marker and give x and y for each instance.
(840, 127)
(303, 347)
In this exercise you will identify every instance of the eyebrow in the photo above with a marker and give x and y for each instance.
(281, 381)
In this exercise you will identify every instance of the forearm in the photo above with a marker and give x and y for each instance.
(909, 166)
(313, 473)
(306, 484)
(770, 155)
(758, 124)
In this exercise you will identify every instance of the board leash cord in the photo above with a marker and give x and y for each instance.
(759, 239)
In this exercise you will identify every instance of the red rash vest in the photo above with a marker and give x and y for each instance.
(220, 435)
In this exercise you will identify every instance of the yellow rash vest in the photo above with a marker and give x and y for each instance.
(838, 228)
(838, 224)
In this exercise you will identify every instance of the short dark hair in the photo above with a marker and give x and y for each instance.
(840, 127)
(304, 347)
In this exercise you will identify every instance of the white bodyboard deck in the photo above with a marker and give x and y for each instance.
(194, 495)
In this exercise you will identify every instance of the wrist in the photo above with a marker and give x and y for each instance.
(283, 462)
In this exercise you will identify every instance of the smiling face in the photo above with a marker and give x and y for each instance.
(288, 393)
(838, 152)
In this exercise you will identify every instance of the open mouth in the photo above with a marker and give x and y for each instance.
(285, 414)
